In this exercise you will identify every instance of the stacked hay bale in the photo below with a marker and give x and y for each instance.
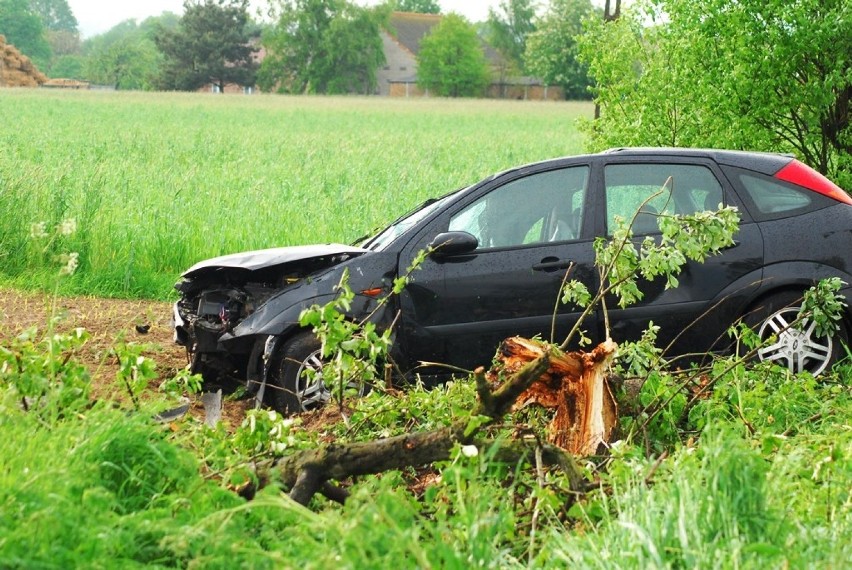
(16, 69)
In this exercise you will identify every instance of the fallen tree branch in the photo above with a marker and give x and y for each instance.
(309, 472)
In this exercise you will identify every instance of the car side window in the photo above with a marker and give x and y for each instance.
(676, 189)
(539, 208)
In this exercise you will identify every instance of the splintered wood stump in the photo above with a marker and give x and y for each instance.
(574, 384)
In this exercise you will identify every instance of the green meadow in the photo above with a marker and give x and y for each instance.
(158, 181)
(755, 474)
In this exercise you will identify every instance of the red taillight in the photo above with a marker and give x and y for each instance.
(802, 175)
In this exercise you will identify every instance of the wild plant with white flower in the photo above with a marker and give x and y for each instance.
(39, 231)
(266, 431)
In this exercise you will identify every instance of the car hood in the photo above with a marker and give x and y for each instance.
(262, 258)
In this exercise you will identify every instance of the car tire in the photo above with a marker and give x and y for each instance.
(291, 391)
(797, 350)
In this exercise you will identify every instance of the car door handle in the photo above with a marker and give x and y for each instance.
(551, 264)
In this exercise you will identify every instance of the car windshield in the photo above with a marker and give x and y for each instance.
(384, 238)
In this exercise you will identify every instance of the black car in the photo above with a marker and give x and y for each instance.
(512, 237)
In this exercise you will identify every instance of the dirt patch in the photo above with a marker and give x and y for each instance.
(108, 322)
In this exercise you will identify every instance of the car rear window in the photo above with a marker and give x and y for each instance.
(769, 198)
(773, 197)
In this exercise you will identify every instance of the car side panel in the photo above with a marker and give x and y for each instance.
(823, 236)
(694, 316)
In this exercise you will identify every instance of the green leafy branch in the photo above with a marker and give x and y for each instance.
(352, 349)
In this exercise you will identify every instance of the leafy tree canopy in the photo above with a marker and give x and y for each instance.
(211, 45)
(128, 62)
(323, 46)
(148, 29)
(165, 21)
(24, 30)
(451, 62)
(55, 15)
(126, 55)
(552, 50)
(68, 66)
(773, 75)
(508, 27)
(63, 42)
(418, 6)
(62, 34)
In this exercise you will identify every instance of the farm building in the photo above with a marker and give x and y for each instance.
(398, 77)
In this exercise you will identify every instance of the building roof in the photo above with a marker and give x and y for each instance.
(408, 28)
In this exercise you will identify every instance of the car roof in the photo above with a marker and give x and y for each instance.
(763, 162)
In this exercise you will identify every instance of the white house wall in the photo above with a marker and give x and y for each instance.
(401, 64)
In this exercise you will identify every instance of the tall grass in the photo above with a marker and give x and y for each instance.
(157, 182)
(98, 485)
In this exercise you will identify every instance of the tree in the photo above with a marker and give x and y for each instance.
(126, 56)
(211, 45)
(507, 29)
(24, 30)
(451, 62)
(552, 51)
(67, 66)
(63, 42)
(129, 63)
(56, 15)
(419, 6)
(153, 24)
(61, 33)
(323, 46)
(771, 75)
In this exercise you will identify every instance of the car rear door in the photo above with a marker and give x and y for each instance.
(530, 227)
(710, 295)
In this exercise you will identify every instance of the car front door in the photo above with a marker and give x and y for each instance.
(530, 230)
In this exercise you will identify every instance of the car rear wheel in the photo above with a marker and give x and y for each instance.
(296, 376)
(797, 348)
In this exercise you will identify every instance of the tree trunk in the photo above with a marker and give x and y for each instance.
(576, 386)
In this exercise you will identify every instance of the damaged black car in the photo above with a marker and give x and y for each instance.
(505, 243)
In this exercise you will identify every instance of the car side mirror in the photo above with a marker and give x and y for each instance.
(452, 243)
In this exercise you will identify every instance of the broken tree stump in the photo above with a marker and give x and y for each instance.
(575, 385)
(311, 471)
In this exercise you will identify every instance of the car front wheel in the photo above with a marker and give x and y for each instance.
(296, 380)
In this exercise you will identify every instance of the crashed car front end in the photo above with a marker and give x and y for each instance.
(217, 294)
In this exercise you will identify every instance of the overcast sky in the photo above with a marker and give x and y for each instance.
(97, 16)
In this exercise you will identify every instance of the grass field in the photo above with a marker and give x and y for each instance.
(757, 474)
(156, 182)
